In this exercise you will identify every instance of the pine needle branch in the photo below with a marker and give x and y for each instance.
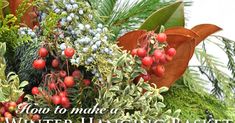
(229, 48)
(193, 81)
(221, 81)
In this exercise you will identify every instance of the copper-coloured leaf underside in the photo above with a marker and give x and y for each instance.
(204, 30)
(129, 40)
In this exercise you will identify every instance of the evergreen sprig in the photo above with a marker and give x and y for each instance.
(125, 14)
(229, 48)
(221, 82)
(8, 31)
(193, 81)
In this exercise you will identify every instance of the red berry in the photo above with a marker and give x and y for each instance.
(52, 86)
(8, 115)
(13, 104)
(65, 102)
(147, 61)
(161, 37)
(76, 74)
(2, 110)
(35, 91)
(159, 70)
(39, 64)
(146, 77)
(163, 59)
(66, 105)
(87, 82)
(69, 52)
(55, 63)
(43, 52)
(11, 109)
(6, 105)
(141, 52)
(157, 54)
(171, 52)
(134, 52)
(36, 117)
(63, 73)
(2, 120)
(63, 94)
(169, 58)
(56, 99)
(69, 81)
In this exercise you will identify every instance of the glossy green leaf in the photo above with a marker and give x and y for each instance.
(169, 16)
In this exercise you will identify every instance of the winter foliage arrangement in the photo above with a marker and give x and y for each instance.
(120, 56)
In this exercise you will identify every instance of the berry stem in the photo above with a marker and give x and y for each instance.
(67, 64)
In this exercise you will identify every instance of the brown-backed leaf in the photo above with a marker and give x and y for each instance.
(204, 30)
(183, 31)
(175, 69)
(129, 40)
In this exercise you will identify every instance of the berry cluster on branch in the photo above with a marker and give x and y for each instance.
(153, 52)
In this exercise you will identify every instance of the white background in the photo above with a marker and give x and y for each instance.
(219, 12)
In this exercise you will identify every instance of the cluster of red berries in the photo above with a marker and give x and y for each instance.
(56, 99)
(7, 111)
(40, 63)
(58, 81)
(61, 97)
(154, 61)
